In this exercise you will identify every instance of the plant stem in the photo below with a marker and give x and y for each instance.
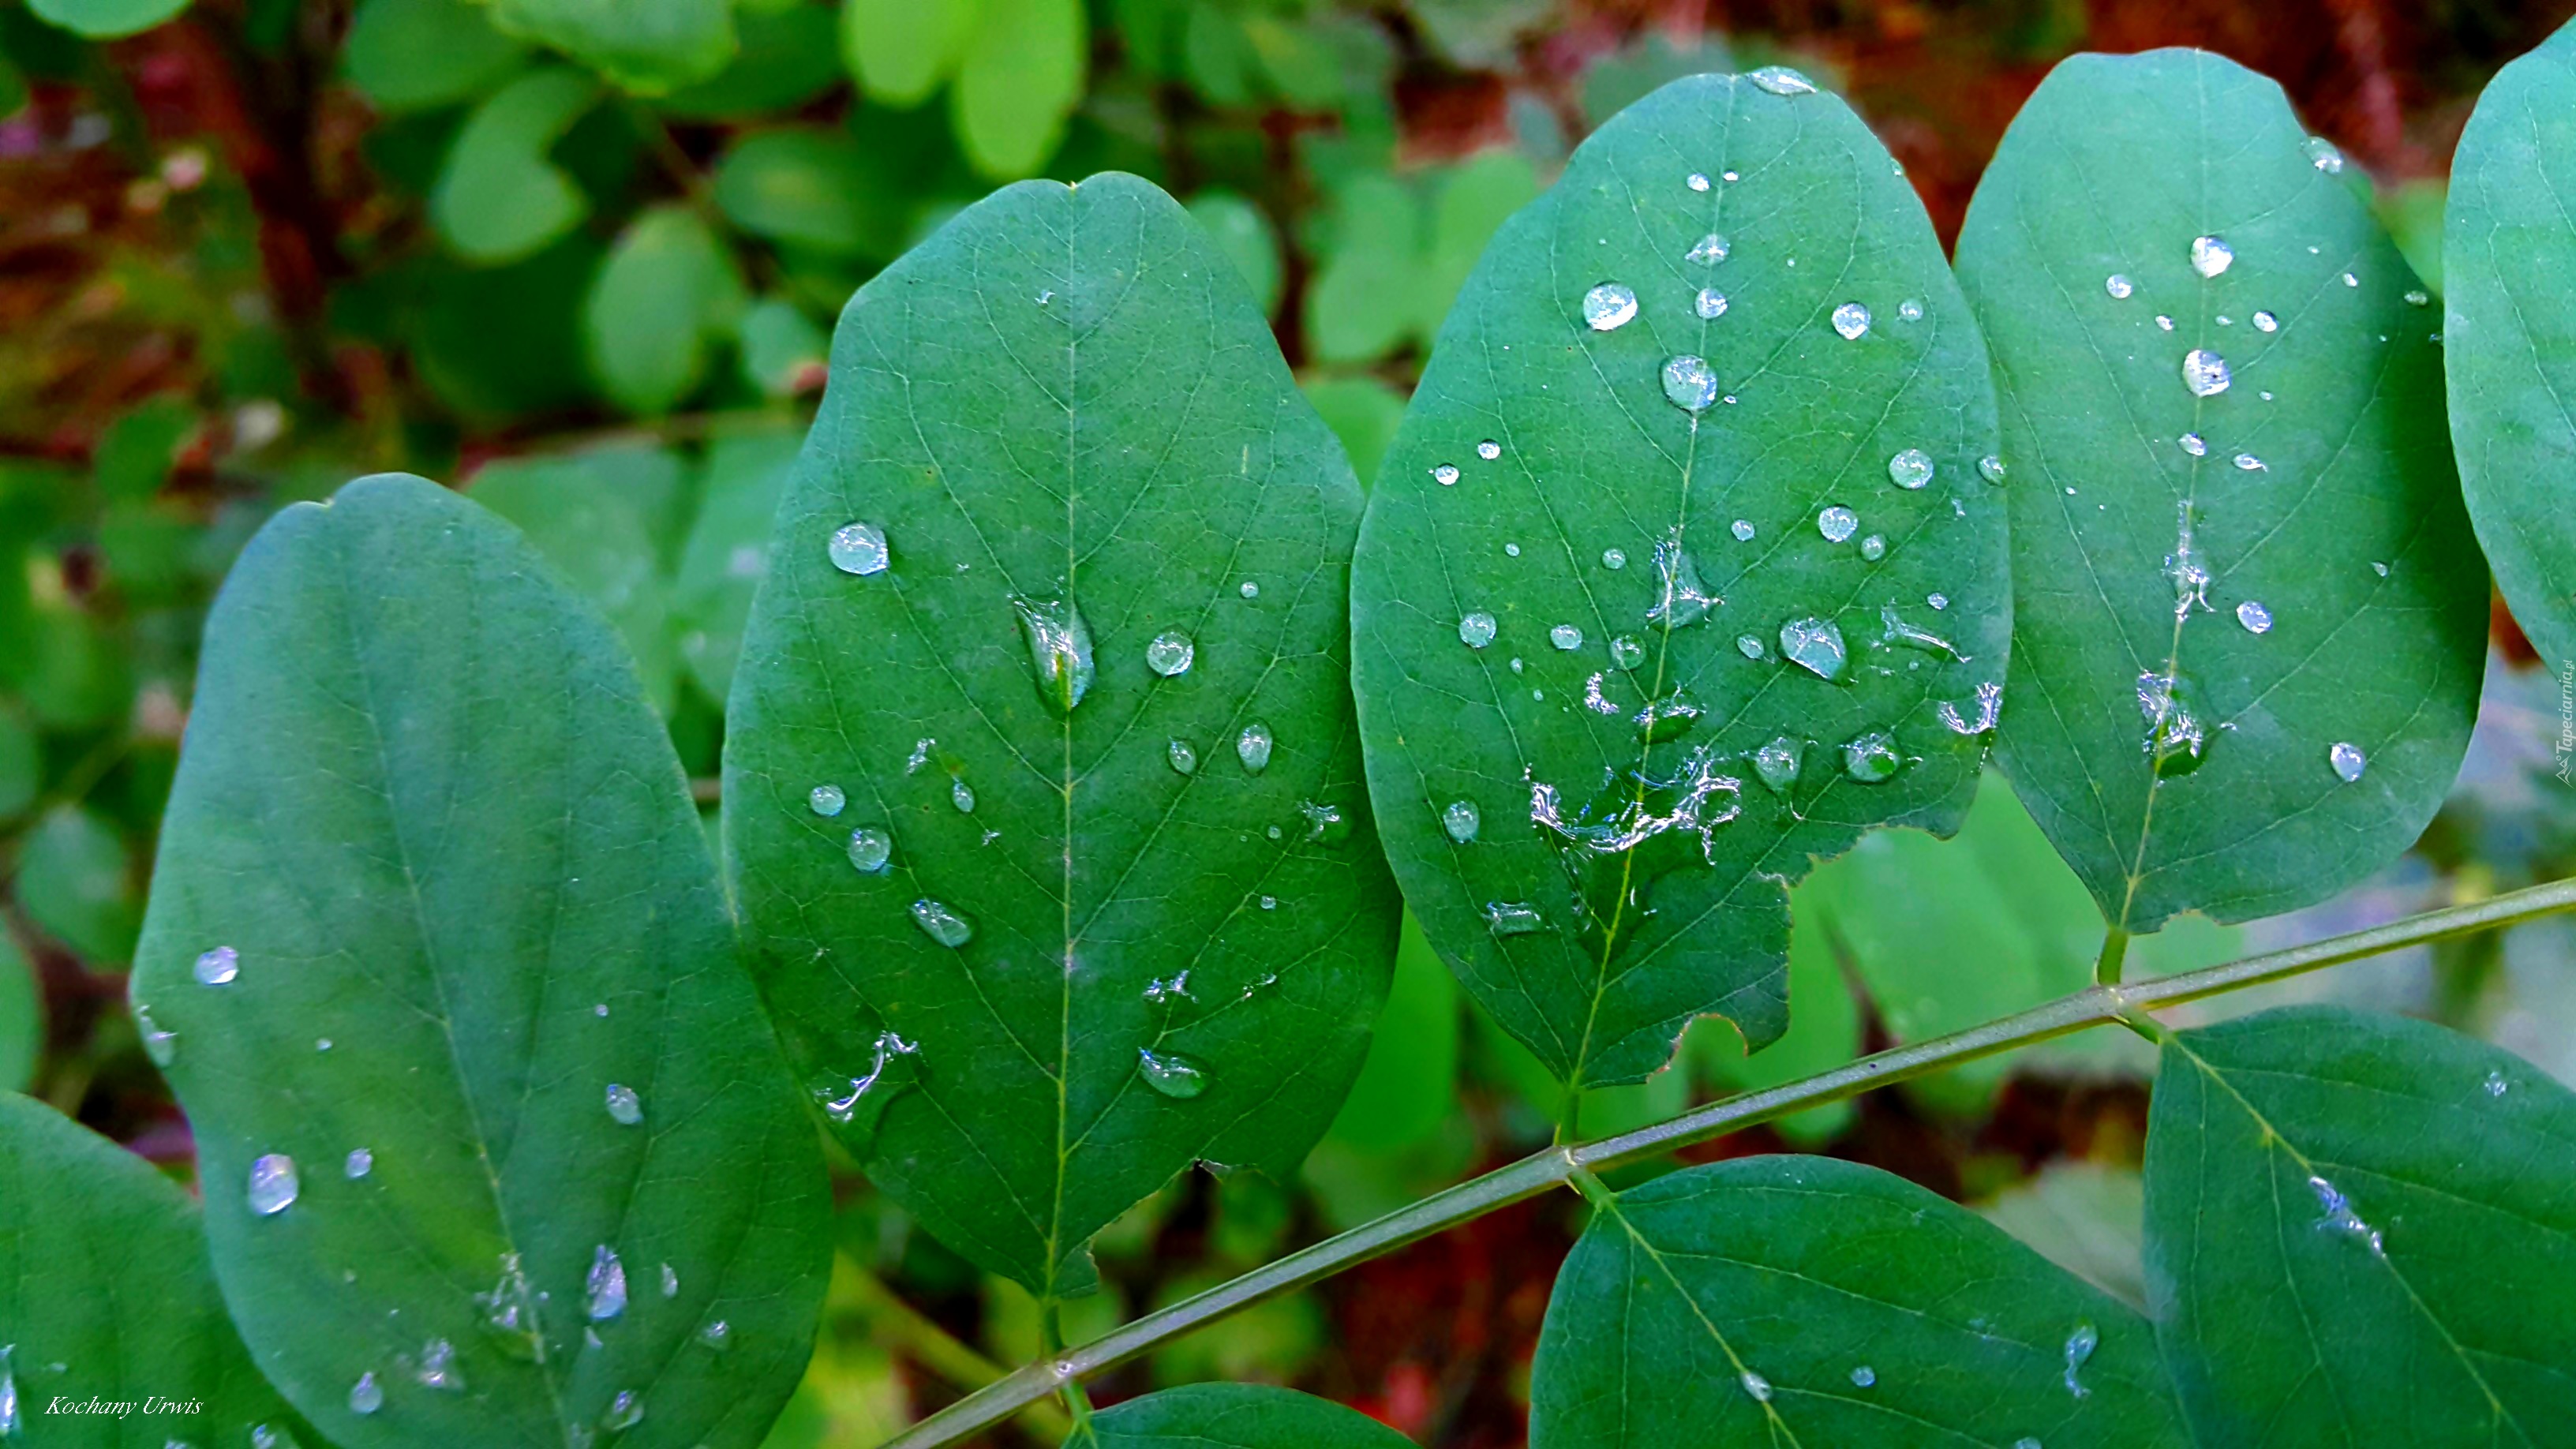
(1561, 1164)
(2115, 950)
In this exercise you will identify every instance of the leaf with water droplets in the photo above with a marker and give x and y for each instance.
(2509, 334)
(104, 1291)
(1233, 1416)
(1648, 889)
(2354, 1237)
(1801, 1300)
(2176, 756)
(425, 806)
(1119, 547)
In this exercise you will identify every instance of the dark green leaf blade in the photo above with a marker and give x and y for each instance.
(105, 1293)
(464, 923)
(1801, 1300)
(1234, 1416)
(1062, 396)
(2509, 330)
(1540, 471)
(2362, 1230)
(2321, 592)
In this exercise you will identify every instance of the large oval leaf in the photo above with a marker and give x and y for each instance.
(2249, 614)
(443, 976)
(104, 1294)
(1573, 792)
(2362, 1230)
(1233, 1416)
(1800, 1300)
(1059, 460)
(2508, 249)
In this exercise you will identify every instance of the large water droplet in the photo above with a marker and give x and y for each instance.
(871, 849)
(1837, 523)
(2079, 1347)
(1749, 645)
(2118, 286)
(10, 1421)
(1776, 764)
(1814, 644)
(1171, 1073)
(1696, 181)
(2323, 155)
(1681, 599)
(1910, 469)
(1851, 319)
(961, 794)
(1742, 528)
(1991, 468)
(1609, 306)
(2205, 372)
(2194, 444)
(1989, 707)
(2177, 739)
(1513, 918)
(606, 1284)
(219, 966)
(858, 548)
(1059, 650)
(1170, 653)
(2254, 617)
(1249, 589)
(1565, 636)
(1476, 630)
(1780, 80)
(1708, 250)
(624, 1412)
(2348, 760)
(1460, 819)
(1710, 304)
(1613, 558)
(941, 924)
(1446, 475)
(2210, 256)
(1689, 383)
(623, 1105)
(272, 1184)
(2266, 322)
(1871, 757)
(1863, 1376)
(1183, 755)
(366, 1395)
(1489, 450)
(826, 800)
(1252, 747)
(1627, 652)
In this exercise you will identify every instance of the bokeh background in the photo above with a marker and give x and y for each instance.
(269, 245)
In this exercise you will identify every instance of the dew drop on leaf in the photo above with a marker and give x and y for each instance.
(1613, 558)
(1689, 383)
(1627, 652)
(1776, 764)
(1171, 1073)
(360, 1162)
(624, 1106)
(2348, 760)
(1743, 530)
(826, 800)
(1837, 523)
(1609, 306)
(1851, 319)
(624, 1412)
(606, 1285)
(161, 1046)
(2266, 322)
(717, 1335)
(2194, 444)
(870, 849)
(2254, 617)
(1476, 630)
(1446, 475)
(272, 1184)
(1183, 756)
(1710, 304)
(2248, 463)
(1681, 600)
(1815, 645)
(1513, 918)
(1780, 80)
(2118, 286)
(366, 1395)
(1489, 450)
(2210, 256)
(438, 1367)
(1696, 181)
(858, 548)
(1708, 250)
(2205, 372)
(1252, 747)
(1910, 469)
(2079, 1347)
(1863, 1376)
(1991, 468)
(2323, 155)
(1756, 1387)
(1059, 650)
(1874, 547)
(1565, 636)
(219, 966)
(941, 924)
(1460, 819)
(1170, 653)
(1749, 645)
(961, 795)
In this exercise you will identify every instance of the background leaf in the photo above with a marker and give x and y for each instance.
(668, 293)
(413, 55)
(598, 517)
(1062, 396)
(645, 46)
(2343, 604)
(2509, 334)
(76, 884)
(727, 551)
(900, 50)
(1494, 604)
(22, 1017)
(814, 188)
(443, 852)
(104, 1287)
(1787, 1300)
(106, 19)
(1234, 1416)
(1019, 78)
(499, 199)
(2361, 1230)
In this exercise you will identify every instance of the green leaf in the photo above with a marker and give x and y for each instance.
(416, 55)
(1245, 235)
(106, 19)
(22, 1017)
(22, 761)
(1657, 893)
(103, 1284)
(1363, 412)
(75, 883)
(668, 293)
(1474, 201)
(599, 519)
(728, 550)
(1367, 296)
(2510, 334)
(1801, 1300)
(498, 198)
(788, 59)
(1409, 1084)
(815, 188)
(900, 50)
(1824, 1029)
(2325, 499)
(2360, 1230)
(1019, 79)
(1234, 1416)
(2087, 1218)
(1098, 427)
(647, 47)
(783, 352)
(425, 814)
(135, 453)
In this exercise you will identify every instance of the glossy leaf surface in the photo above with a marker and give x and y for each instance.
(1234, 1416)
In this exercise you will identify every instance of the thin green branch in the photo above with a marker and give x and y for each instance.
(1559, 1165)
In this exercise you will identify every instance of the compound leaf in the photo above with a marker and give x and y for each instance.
(1670, 518)
(441, 970)
(1233, 1416)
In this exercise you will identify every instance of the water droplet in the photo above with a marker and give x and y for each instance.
(2205, 372)
(859, 548)
(843, 1106)
(1909, 310)
(1183, 755)
(219, 966)
(1989, 704)
(870, 849)
(1689, 383)
(2254, 617)
(1814, 644)
(2350, 280)
(2348, 760)
(1171, 653)
(1863, 1376)
(1837, 523)
(2496, 1085)
(961, 795)
(1874, 547)
(1170, 1073)
(920, 755)
(10, 1422)
(1609, 306)
(1513, 918)
(2210, 256)
(1851, 319)
(1872, 757)
(2079, 1347)
(2177, 740)
(2193, 444)
(1252, 747)
(2248, 463)
(624, 1105)
(1743, 530)
(2340, 1217)
(1757, 1386)
(606, 1285)
(1709, 250)
(1059, 650)
(2266, 322)
(1489, 450)
(1446, 475)
(360, 1162)
(161, 1046)
(1710, 304)
(1991, 468)
(717, 1335)
(1696, 182)
(1776, 764)
(272, 1184)
(670, 1281)
(1476, 630)
(1250, 590)
(438, 1367)
(2027, 1442)
(2118, 286)
(1749, 645)
(1910, 469)
(1780, 80)
(2323, 155)
(1460, 819)
(1565, 636)
(1612, 558)
(941, 924)
(2379, 568)
(624, 1412)
(2164, 322)
(2418, 297)
(1627, 652)
(1681, 600)
(366, 1395)
(826, 800)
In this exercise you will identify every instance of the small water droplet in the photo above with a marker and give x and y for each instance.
(1250, 590)
(1743, 530)
(1446, 475)
(438, 1367)
(1814, 644)
(1851, 319)
(1991, 468)
(2079, 1347)
(1708, 250)
(1863, 1376)
(2254, 617)
(1696, 182)
(1758, 1387)
(2210, 256)
(219, 966)
(1874, 547)
(1252, 747)
(366, 1395)
(2379, 568)
(961, 795)
(858, 548)
(1511, 550)
(920, 755)
(2350, 280)
(272, 1184)
(2248, 463)
(1776, 764)
(2496, 1085)
(1059, 649)
(1909, 310)
(161, 1046)
(1871, 757)
(717, 1335)
(870, 849)
(1476, 630)
(826, 800)
(2118, 286)
(2348, 760)
(606, 1284)
(624, 1412)
(1910, 469)
(1612, 558)
(1170, 653)
(1183, 755)
(2193, 444)
(1749, 645)
(670, 1281)
(2418, 297)
(1513, 918)
(1171, 1073)
(1780, 80)
(2205, 372)
(2266, 322)
(941, 924)
(1837, 523)
(1460, 819)
(10, 1421)
(2323, 155)
(1565, 636)
(2164, 322)
(1689, 383)
(1710, 304)
(360, 1162)
(1627, 651)
(2340, 1216)
(1609, 306)
(624, 1105)
(2027, 1442)
(1489, 450)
